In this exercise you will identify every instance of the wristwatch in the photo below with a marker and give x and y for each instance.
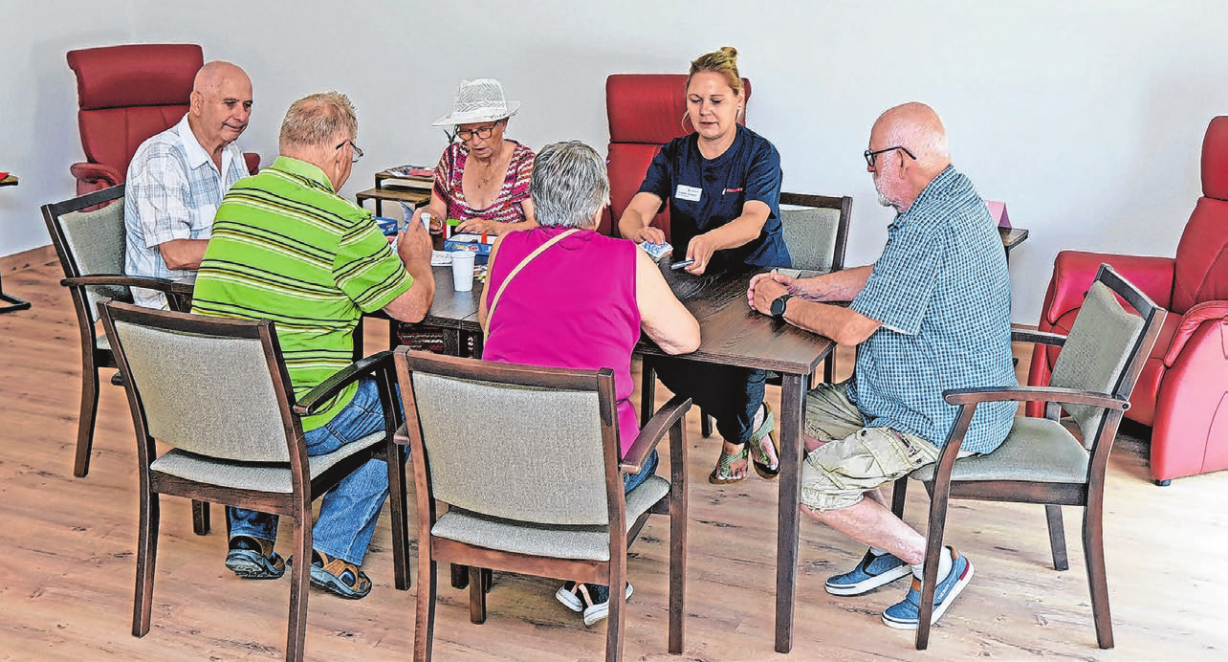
(779, 305)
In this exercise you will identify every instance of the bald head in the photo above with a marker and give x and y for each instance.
(909, 149)
(916, 127)
(221, 106)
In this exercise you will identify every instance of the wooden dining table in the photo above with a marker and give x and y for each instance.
(731, 334)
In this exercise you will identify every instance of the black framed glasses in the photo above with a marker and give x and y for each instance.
(482, 132)
(357, 150)
(871, 156)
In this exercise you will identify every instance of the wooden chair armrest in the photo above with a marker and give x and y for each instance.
(148, 282)
(1037, 337)
(344, 377)
(653, 432)
(975, 396)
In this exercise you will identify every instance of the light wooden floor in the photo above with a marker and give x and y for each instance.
(66, 582)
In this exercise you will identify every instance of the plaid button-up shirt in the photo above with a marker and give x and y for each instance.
(942, 293)
(173, 191)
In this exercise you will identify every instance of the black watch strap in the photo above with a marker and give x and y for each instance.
(779, 305)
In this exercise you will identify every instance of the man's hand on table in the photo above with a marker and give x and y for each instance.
(766, 288)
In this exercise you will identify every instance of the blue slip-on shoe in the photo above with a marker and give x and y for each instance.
(872, 572)
(906, 614)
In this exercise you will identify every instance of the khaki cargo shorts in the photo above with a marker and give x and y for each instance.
(856, 459)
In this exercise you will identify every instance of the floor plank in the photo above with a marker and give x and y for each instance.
(66, 588)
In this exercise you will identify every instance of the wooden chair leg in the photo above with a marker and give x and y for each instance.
(424, 612)
(460, 576)
(300, 574)
(200, 517)
(1097, 579)
(705, 424)
(677, 539)
(1057, 536)
(618, 600)
(85, 421)
(146, 561)
(477, 596)
(939, 499)
(395, 458)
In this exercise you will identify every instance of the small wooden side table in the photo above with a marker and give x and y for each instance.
(15, 304)
(1012, 237)
(410, 196)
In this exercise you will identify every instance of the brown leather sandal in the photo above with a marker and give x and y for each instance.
(339, 577)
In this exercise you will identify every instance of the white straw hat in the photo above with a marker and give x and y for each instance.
(479, 100)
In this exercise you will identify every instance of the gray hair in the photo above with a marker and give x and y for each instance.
(569, 186)
(318, 120)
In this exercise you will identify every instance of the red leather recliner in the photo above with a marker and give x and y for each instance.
(127, 94)
(1183, 390)
(645, 112)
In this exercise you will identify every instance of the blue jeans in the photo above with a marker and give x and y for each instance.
(729, 394)
(632, 481)
(351, 509)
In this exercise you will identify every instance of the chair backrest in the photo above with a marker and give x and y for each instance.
(523, 443)
(645, 111)
(1106, 347)
(128, 93)
(90, 241)
(1201, 269)
(815, 229)
(210, 386)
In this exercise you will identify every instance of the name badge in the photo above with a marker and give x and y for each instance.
(690, 193)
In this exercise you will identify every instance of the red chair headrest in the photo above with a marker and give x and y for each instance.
(1215, 159)
(135, 75)
(649, 108)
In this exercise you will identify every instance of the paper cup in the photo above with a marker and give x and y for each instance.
(462, 270)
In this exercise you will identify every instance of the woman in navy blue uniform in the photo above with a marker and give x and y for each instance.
(722, 183)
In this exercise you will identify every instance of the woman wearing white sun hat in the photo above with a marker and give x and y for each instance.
(482, 179)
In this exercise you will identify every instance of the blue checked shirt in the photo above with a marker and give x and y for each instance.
(942, 293)
(173, 191)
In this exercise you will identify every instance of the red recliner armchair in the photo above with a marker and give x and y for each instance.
(127, 94)
(1182, 393)
(645, 111)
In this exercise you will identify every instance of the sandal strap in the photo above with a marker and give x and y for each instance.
(337, 566)
(725, 462)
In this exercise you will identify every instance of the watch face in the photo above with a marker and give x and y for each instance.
(778, 305)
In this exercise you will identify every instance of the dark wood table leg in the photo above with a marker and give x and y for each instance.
(452, 342)
(792, 410)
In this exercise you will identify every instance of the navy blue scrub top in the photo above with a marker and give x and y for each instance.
(705, 194)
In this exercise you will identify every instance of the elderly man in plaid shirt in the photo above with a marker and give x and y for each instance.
(932, 313)
(177, 178)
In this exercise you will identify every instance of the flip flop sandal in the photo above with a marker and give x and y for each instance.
(722, 473)
(758, 457)
(340, 577)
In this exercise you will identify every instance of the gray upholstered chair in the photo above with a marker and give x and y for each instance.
(816, 229)
(1041, 461)
(217, 392)
(90, 241)
(526, 458)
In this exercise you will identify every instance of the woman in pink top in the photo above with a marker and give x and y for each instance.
(483, 180)
(581, 303)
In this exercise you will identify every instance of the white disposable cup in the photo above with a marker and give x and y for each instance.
(426, 221)
(462, 270)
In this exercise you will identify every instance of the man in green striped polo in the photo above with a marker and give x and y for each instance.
(286, 247)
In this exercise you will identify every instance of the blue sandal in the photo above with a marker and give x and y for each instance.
(339, 577)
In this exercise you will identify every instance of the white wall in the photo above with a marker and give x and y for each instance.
(1085, 117)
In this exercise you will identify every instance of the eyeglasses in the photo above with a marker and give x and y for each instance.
(482, 132)
(357, 151)
(870, 156)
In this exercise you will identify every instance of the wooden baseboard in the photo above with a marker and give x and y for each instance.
(26, 259)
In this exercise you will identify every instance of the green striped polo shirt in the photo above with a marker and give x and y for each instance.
(287, 248)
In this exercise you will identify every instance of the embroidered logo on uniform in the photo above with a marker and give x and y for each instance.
(731, 190)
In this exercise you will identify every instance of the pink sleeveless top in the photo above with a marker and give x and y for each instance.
(573, 306)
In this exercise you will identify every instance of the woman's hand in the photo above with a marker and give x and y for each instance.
(700, 249)
(649, 234)
(480, 226)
